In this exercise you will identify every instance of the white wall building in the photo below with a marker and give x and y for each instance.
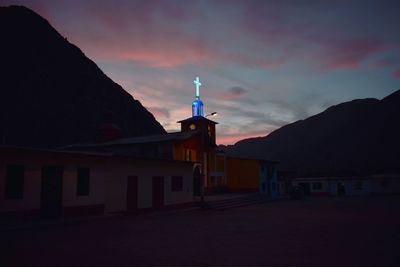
(50, 183)
(350, 186)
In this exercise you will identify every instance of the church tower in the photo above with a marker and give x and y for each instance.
(198, 121)
(201, 148)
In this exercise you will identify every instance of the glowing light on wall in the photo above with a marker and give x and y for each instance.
(197, 105)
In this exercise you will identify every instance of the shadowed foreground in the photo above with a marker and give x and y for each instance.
(314, 232)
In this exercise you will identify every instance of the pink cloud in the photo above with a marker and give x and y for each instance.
(155, 52)
(229, 139)
(159, 112)
(157, 34)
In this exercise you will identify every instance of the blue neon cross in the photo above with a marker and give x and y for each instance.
(198, 84)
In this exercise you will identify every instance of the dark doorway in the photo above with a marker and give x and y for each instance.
(158, 192)
(306, 188)
(268, 187)
(341, 189)
(51, 194)
(132, 193)
(196, 181)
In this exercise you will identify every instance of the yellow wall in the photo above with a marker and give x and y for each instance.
(179, 152)
(242, 174)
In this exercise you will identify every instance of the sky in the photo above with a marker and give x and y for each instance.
(262, 64)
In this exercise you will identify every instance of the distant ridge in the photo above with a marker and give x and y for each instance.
(51, 94)
(357, 137)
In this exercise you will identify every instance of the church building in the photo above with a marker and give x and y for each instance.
(130, 174)
(213, 171)
(196, 143)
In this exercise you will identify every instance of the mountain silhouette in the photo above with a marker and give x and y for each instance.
(357, 137)
(51, 94)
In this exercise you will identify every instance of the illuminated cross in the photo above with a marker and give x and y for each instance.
(198, 84)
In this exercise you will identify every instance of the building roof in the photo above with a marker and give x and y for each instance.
(23, 150)
(197, 118)
(252, 158)
(176, 136)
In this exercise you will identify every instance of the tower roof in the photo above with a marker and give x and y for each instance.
(197, 118)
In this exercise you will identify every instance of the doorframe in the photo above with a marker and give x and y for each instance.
(156, 204)
(45, 211)
(132, 200)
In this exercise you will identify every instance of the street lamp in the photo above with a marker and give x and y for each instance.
(212, 114)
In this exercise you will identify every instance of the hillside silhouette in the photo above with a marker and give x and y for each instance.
(357, 137)
(51, 94)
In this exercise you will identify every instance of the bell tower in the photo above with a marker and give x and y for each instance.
(203, 141)
(199, 122)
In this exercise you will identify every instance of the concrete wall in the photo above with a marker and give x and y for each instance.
(356, 186)
(385, 185)
(323, 190)
(33, 162)
(145, 170)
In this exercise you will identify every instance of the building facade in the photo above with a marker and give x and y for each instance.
(349, 186)
(45, 183)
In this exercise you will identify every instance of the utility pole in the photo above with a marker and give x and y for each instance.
(203, 169)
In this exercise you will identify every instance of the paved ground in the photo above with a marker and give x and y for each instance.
(352, 231)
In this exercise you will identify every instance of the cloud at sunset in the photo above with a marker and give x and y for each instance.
(262, 63)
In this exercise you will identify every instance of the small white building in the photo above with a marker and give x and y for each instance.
(349, 186)
(50, 183)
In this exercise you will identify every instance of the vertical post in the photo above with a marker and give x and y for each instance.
(202, 150)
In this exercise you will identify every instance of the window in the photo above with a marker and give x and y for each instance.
(357, 185)
(317, 186)
(176, 183)
(83, 182)
(14, 182)
(192, 126)
(188, 155)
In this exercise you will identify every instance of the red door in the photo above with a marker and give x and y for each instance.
(51, 191)
(132, 193)
(158, 192)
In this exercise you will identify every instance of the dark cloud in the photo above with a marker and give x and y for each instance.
(237, 90)
(386, 62)
(159, 112)
(396, 74)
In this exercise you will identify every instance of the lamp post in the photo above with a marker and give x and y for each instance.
(202, 165)
(212, 114)
(202, 156)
